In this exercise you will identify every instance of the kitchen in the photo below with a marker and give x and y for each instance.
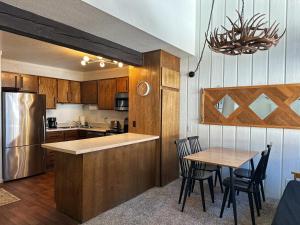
(85, 109)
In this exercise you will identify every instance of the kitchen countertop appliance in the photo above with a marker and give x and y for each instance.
(24, 130)
(121, 101)
(52, 123)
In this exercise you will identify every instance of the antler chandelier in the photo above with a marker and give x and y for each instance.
(245, 36)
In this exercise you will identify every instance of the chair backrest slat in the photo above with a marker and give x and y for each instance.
(194, 144)
(182, 151)
(259, 172)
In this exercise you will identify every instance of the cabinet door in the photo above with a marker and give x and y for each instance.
(169, 133)
(48, 87)
(29, 83)
(54, 136)
(106, 94)
(71, 135)
(74, 92)
(63, 91)
(10, 80)
(122, 84)
(89, 92)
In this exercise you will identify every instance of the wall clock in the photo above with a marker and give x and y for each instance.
(143, 88)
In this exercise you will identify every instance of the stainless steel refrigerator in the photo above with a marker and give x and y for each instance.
(23, 127)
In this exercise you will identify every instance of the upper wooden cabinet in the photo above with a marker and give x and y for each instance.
(48, 87)
(63, 91)
(29, 83)
(89, 92)
(170, 78)
(75, 92)
(10, 80)
(21, 82)
(68, 91)
(122, 84)
(106, 94)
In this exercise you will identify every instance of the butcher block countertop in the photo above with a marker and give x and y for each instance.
(100, 143)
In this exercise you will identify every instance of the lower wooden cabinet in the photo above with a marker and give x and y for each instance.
(71, 135)
(54, 136)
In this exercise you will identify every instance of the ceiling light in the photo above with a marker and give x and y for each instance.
(83, 63)
(120, 64)
(102, 64)
(99, 57)
(86, 58)
(115, 62)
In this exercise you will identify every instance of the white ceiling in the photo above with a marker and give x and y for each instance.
(19, 48)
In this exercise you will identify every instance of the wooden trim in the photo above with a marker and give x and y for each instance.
(19, 21)
(283, 95)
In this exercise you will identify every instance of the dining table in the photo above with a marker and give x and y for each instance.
(226, 157)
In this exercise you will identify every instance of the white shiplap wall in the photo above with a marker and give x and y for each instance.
(277, 66)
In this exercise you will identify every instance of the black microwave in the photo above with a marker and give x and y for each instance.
(121, 101)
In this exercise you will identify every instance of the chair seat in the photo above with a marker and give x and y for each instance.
(239, 184)
(243, 173)
(201, 175)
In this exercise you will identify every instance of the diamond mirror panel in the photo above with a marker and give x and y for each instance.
(296, 106)
(263, 106)
(226, 106)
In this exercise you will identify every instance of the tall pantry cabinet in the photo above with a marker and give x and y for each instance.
(154, 108)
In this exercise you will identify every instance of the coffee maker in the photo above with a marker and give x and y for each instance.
(52, 122)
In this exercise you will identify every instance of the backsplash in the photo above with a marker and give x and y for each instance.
(66, 114)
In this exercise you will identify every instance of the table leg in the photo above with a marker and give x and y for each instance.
(252, 165)
(232, 192)
(188, 184)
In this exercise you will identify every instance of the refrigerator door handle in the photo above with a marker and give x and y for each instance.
(44, 129)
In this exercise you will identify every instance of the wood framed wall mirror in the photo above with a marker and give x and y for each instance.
(270, 106)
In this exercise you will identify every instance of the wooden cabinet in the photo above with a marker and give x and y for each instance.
(54, 136)
(89, 92)
(158, 112)
(10, 80)
(63, 91)
(75, 92)
(29, 83)
(71, 135)
(68, 91)
(122, 84)
(48, 87)
(21, 82)
(106, 94)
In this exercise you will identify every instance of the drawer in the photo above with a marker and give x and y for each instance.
(55, 136)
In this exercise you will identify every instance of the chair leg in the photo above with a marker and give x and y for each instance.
(216, 177)
(258, 196)
(181, 189)
(251, 208)
(224, 201)
(211, 189)
(220, 179)
(256, 202)
(202, 195)
(229, 201)
(262, 191)
(193, 185)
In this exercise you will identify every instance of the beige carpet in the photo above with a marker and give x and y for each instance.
(6, 197)
(159, 206)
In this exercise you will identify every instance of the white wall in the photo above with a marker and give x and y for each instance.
(173, 21)
(278, 66)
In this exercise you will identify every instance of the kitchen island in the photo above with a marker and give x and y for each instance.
(94, 175)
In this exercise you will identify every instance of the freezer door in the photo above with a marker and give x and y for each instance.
(22, 162)
(23, 119)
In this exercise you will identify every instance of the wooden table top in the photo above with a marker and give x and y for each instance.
(223, 157)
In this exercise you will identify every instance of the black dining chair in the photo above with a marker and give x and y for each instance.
(196, 147)
(248, 186)
(246, 173)
(197, 175)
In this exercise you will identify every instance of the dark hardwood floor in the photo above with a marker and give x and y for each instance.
(37, 205)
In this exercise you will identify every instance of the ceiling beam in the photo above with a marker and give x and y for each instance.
(22, 22)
